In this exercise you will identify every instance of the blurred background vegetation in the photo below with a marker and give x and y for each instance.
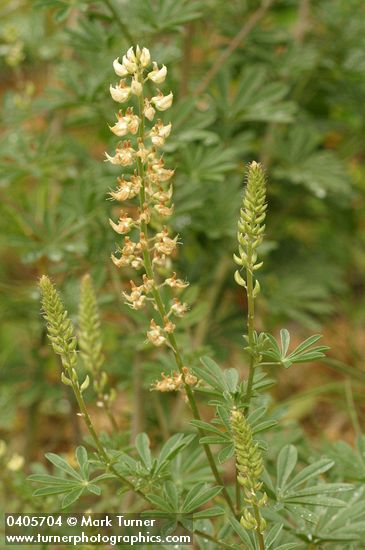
(279, 81)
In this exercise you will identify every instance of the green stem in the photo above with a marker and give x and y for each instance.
(352, 412)
(253, 364)
(162, 312)
(259, 535)
(111, 416)
(101, 451)
(238, 496)
(250, 324)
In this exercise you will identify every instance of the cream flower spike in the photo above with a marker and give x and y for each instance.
(157, 75)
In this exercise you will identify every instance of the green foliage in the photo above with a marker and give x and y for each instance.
(73, 484)
(303, 353)
(290, 94)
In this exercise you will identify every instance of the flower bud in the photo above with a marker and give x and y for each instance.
(119, 69)
(136, 87)
(145, 58)
(130, 61)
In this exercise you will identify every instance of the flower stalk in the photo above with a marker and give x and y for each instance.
(63, 339)
(151, 253)
(250, 235)
(90, 344)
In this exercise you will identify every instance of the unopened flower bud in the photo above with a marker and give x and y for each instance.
(136, 87)
(145, 58)
(130, 61)
(119, 69)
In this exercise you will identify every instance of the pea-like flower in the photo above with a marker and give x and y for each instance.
(130, 61)
(157, 75)
(119, 68)
(159, 133)
(124, 155)
(164, 244)
(136, 87)
(127, 189)
(124, 225)
(162, 102)
(148, 110)
(127, 123)
(155, 335)
(136, 298)
(173, 282)
(121, 92)
(145, 57)
(163, 210)
(179, 309)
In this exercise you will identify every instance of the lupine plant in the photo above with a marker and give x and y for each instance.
(223, 468)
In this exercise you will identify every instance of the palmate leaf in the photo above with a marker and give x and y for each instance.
(272, 536)
(72, 486)
(255, 98)
(197, 496)
(171, 502)
(290, 493)
(163, 15)
(305, 352)
(286, 463)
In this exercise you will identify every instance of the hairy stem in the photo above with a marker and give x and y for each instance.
(87, 419)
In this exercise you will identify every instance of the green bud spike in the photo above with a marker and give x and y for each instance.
(252, 216)
(59, 327)
(250, 467)
(89, 334)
